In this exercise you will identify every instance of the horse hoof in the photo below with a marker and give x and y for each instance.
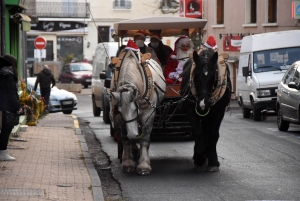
(213, 169)
(203, 167)
(128, 169)
(144, 173)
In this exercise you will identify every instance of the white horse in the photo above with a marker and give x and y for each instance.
(134, 102)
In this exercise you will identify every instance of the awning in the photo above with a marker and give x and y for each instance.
(24, 20)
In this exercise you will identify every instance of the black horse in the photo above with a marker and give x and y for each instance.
(207, 92)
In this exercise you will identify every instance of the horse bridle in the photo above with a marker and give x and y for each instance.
(131, 100)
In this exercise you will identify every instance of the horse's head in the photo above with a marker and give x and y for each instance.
(125, 99)
(204, 76)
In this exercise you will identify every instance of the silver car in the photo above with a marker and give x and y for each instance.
(60, 100)
(288, 98)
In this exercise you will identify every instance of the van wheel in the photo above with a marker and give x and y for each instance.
(96, 110)
(256, 113)
(86, 86)
(105, 108)
(246, 112)
(281, 124)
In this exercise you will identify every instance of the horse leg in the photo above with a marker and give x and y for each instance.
(200, 160)
(144, 167)
(128, 164)
(211, 131)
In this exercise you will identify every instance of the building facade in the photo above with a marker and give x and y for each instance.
(75, 27)
(14, 25)
(230, 20)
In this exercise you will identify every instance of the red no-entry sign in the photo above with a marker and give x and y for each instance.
(40, 43)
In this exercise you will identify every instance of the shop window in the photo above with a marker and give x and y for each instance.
(69, 45)
(220, 11)
(251, 9)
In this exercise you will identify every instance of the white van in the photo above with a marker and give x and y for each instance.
(100, 96)
(263, 61)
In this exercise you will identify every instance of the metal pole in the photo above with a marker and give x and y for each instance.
(3, 43)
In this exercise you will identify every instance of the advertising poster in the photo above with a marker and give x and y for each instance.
(190, 8)
(232, 44)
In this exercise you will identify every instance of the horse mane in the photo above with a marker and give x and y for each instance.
(130, 73)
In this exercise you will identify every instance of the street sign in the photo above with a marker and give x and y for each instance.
(40, 54)
(40, 43)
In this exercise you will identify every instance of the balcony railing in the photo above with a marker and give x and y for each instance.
(31, 9)
(121, 4)
(62, 10)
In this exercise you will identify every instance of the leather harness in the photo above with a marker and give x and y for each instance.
(222, 78)
(143, 100)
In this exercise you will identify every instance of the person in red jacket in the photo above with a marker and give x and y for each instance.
(182, 48)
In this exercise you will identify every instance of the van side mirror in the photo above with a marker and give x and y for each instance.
(102, 75)
(246, 71)
(107, 83)
(293, 85)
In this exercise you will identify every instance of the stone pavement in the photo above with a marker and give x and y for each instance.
(54, 164)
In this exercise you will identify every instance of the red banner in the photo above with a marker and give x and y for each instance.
(232, 44)
(190, 8)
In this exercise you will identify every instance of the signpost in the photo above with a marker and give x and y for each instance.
(40, 44)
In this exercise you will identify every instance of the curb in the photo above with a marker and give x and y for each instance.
(96, 182)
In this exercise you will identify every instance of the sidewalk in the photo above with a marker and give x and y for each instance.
(54, 164)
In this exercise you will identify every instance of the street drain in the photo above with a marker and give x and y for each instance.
(64, 185)
(22, 192)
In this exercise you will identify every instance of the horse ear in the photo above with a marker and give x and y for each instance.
(214, 58)
(195, 57)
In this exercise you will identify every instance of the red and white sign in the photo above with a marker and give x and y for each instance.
(40, 43)
(190, 8)
(232, 44)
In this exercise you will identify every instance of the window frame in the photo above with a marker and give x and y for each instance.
(274, 13)
(250, 12)
(219, 16)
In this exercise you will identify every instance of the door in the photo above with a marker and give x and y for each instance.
(103, 34)
(285, 100)
(294, 96)
(49, 51)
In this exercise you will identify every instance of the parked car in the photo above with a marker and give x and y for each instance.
(60, 100)
(101, 72)
(288, 98)
(78, 73)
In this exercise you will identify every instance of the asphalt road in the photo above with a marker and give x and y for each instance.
(258, 162)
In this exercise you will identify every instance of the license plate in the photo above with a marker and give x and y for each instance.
(67, 103)
(88, 80)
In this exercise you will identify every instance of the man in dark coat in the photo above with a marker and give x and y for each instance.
(45, 78)
(162, 51)
(9, 101)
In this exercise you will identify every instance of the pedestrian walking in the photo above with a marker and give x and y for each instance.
(9, 101)
(45, 78)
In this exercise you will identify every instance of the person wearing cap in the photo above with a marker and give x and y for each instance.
(45, 79)
(211, 43)
(162, 51)
(9, 101)
(114, 36)
(183, 47)
(139, 39)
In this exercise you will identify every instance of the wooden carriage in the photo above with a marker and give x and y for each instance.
(169, 119)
